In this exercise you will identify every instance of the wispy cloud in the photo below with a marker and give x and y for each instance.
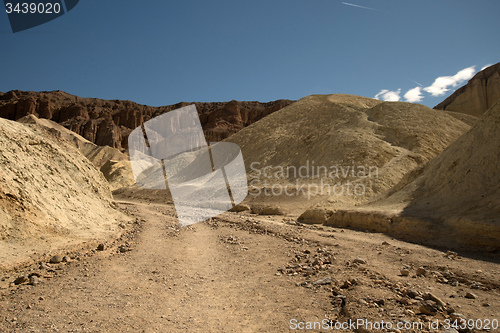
(388, 95)
(414, 95)
(441, 84)
(358, 6)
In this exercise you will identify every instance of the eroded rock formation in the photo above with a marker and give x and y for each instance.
(106, 122)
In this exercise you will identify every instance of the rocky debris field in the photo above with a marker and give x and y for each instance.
(243, 272)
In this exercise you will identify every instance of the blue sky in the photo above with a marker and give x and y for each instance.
(163, 52)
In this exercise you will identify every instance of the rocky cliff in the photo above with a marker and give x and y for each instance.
(477, 96)
(109, 122)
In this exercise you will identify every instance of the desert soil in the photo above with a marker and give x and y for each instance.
(242, 272)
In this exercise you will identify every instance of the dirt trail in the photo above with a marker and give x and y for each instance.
(172, 279)
(225, 276)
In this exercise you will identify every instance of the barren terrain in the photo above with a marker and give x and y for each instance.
(83, 249)
(242, 272)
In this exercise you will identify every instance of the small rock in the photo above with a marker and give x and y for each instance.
(408, 312)
(336, 292)
(44, 266)
(122, 225)
(486, 305)
(239, 208)
(428, 308)
(362, 301)
(442, 280)
(404, 300)
(339, 301)
(476, 285)
(421, 271)
(359, 261)
(437, 300)
(457, 316)
(55, 260)
(346, 285)
(66, 259)
(405, 272)
(380, 302)
(327, 280)
(385, 243)
(34, 280)
(123, 248)
(266, 210)
(355, 281)
(412, 293)
(470, 295)
(101, 247)
(451, 254)
(449, 330)
(20, 280)
(317, 262)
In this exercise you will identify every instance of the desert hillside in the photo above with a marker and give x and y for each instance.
(108, 123)
(477, 96)
(454, 198)
(51, 196)
(325, 140)
(256, 271)
(114, 164)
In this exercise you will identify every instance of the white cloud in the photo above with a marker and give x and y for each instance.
(484, 67)
(441, 84)
(387, 95)
(414, 95)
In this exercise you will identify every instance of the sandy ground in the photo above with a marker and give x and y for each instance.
(246, 273)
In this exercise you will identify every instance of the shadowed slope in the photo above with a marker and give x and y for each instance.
(453, 198)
